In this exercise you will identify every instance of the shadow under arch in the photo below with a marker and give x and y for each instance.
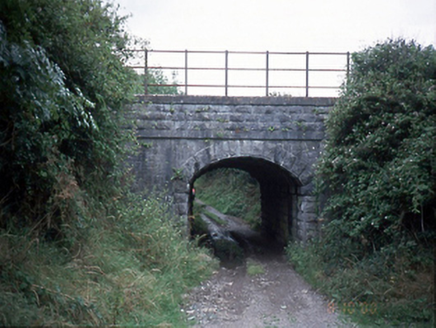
(279, 194)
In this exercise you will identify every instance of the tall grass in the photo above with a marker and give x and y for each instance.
(129, 267)
(377, 291)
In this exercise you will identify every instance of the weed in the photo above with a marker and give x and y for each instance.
(368, 290)
(302, 125)
(279, 94)
(203, 109)
(254, 268)
(177, 174)
(146, 145)
(129, 268)
(228, 251)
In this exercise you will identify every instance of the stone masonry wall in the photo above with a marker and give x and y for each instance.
(181, 135)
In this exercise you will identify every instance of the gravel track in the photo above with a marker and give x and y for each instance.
(275, 297)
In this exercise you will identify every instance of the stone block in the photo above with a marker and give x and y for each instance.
(308, 207)
(192, 133)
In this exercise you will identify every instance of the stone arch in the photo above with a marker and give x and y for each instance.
(285, 179)
(293, 160)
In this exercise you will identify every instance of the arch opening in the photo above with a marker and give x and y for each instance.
(278, 201)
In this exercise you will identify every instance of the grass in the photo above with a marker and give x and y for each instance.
(127, 268)
(254, 268)
(373, 291)
(214, 217)
(232, 192)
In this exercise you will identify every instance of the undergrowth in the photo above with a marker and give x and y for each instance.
(376, 183)
(76, 249)
(232, 192)
(380, 290)
(128, 268)
(254, 268)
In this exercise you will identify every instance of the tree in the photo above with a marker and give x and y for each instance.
(62, 91)
(156, 76)
(379, 166)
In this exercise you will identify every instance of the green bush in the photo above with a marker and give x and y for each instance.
(63, 90)
(377, 182)
(155, 76)
(380, 160)
(75, 247)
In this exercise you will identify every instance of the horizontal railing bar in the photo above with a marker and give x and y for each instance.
(243, 86)
(245, 69)
(241, 52)
(330, 67)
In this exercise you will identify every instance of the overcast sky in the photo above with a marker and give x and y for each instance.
(277, 25)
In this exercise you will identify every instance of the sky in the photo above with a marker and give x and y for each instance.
(278, 25)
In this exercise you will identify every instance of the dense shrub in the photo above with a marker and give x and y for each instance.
(76, 248)
(379, 167)
(62, 91)
(377, 179)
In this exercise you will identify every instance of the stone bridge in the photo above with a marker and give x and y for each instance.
(277, 140)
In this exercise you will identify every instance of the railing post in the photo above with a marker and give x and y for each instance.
(226, 72)
(149, 83)
(186, 72)
(307, 73)
(145, 71)
(267, 74)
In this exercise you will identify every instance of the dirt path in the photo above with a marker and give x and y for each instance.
(274, 297)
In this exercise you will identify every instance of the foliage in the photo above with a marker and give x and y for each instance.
(232, 192)
(374, 291)
(75, 247)
(379, 167)
(378, 179)
(63, 88)
(155, 77)
(254, 268)
(131, 269)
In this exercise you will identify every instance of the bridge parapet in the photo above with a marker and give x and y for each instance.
(247, 118)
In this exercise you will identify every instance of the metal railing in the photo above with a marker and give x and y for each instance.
(342, 68)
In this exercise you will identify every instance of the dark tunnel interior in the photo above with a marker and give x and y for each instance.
(278, 190)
